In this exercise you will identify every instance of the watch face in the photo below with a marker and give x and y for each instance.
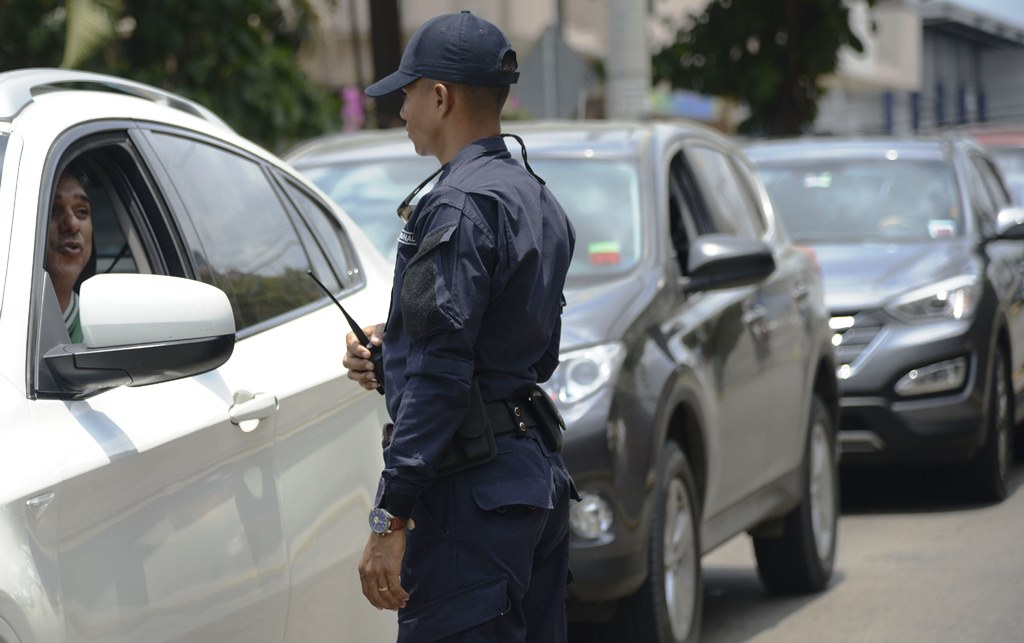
(378, 520)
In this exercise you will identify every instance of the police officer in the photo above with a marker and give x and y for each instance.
(481, 553)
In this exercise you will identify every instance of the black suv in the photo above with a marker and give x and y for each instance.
(924, 276)
(696, 378)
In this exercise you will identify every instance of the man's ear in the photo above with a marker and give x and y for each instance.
(443, 97)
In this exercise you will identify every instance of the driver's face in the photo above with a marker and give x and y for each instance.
(69, 237)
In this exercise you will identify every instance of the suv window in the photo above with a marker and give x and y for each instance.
(245, 243)
(733, 210)
(981, 198)
(328, 241)
(990, 176)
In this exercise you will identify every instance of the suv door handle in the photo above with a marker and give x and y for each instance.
(251, 406)
(800, 291)
(754, 315)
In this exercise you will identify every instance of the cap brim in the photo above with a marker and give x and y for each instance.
(390, 84)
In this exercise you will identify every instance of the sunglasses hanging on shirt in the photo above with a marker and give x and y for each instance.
(406, 209)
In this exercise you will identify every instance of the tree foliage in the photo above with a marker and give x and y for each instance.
(770, 54)
(236, 57)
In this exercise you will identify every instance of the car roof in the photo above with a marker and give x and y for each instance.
(543, 138)
(936, 147)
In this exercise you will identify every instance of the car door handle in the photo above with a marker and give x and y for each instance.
(251, 406)
(754, 315)
(800, 291)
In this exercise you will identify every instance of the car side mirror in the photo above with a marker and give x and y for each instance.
(1010, 224)
(139, 330)
(725, 261)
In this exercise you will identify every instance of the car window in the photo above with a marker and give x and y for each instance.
(730, 204)
(371, 191)
(600, 196)
(683, 203)
(328, 240)
(990, 176)
(244, 240)
(602, 199)
(1011, 163)
(3, 150)
(981, 198)
(843, 200)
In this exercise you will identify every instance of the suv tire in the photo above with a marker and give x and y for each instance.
(801, 559)
(667, 607)
(992, 464)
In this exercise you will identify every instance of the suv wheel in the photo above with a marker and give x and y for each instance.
(992, 464)
(667, 607)
(801, 559)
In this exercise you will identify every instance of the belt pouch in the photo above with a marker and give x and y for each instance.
(473, 443)
(549, 419)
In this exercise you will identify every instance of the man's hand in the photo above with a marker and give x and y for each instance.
(357, 357)
(379, 569)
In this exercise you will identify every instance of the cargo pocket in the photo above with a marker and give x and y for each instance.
(502, 495)
(457, 612)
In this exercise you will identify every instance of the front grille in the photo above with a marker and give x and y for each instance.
(853, 335)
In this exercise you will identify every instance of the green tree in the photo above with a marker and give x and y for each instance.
(770, 54)
(236, 57)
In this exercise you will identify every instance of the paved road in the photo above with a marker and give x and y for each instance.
(918, 562)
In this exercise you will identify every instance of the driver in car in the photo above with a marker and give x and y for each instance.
(69, 243)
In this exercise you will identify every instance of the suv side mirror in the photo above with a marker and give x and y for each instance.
(142, 329)
(726, 261)
(1010, 224)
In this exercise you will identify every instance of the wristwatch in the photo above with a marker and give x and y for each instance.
(382, 522)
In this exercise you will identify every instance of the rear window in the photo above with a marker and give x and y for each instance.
(852, 200)
(600, 196)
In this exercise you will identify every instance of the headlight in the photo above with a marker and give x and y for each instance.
(582, 373)
(955, 298)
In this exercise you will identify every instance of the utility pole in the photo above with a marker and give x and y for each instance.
(386, 36)
(628, 59)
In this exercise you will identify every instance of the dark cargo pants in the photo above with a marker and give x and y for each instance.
(488, 559)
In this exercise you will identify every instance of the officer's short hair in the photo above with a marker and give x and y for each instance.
(490, 98)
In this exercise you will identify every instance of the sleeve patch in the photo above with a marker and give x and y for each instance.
(422, 311)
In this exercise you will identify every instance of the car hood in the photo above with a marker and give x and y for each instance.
(867, 275)
(599, 312)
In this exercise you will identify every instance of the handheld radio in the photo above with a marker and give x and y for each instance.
(376, 354)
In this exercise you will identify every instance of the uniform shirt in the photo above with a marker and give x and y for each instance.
(477, 291)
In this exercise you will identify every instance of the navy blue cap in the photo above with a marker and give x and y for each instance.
(454, 47)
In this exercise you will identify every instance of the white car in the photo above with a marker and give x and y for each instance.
(198, 468)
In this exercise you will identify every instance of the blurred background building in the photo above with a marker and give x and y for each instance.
(927, 63)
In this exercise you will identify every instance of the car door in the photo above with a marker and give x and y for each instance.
(988, 196)
(169, 516)
(758, 334)
(255, 238)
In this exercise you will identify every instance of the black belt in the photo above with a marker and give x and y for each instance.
(511, 416)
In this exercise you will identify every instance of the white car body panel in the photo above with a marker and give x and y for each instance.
(144, 514)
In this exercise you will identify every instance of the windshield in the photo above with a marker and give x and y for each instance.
(601, 198)
(1011, 164)
(851, 200)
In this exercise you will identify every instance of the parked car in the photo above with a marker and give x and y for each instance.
(199, 468)
(1006, 145)
(696, 377)
(924, 276)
